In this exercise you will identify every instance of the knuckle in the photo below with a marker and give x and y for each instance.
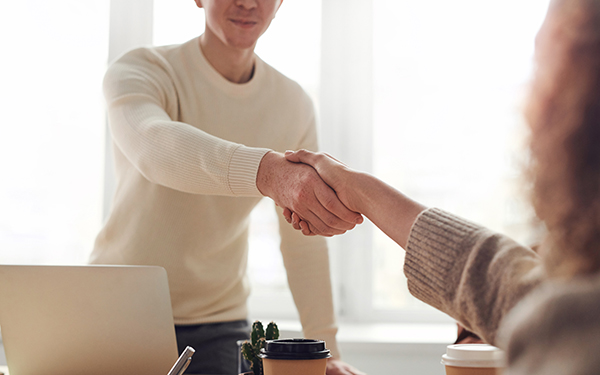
(299, 195)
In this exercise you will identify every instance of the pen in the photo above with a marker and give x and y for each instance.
(182, 362)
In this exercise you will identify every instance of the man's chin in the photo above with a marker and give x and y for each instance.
(243, 44)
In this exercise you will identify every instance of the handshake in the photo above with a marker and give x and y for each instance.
(314, 189)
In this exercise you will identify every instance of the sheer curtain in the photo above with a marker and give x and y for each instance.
(449, 84)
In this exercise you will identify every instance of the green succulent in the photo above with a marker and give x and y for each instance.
(258, 339)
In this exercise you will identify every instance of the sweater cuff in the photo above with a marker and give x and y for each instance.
(243, 168)
(435, 248)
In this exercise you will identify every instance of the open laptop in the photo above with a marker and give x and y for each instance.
(90, 320)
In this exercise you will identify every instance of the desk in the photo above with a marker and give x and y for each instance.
(4, 369)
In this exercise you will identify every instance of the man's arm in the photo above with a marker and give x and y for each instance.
(306, 260)
(140, 96)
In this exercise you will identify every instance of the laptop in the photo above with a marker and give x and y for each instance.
(91, 320)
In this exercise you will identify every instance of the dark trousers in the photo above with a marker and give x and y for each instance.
(215, 344)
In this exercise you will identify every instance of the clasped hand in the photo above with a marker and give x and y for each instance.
(298, 188)
(338, 206)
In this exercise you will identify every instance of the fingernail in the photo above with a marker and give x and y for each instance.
(288, 152)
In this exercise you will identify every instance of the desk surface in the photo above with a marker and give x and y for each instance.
(4, 369)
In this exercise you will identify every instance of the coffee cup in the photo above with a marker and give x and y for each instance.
(294, 357)
(473, 359)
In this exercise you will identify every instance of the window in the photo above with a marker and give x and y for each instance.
(449, 82)
(52, 143)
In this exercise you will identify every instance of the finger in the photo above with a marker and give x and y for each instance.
(296, 221)
(287, 214)
(314, 231)
(309, 214)
(306, 229)
(301, 156)
(329, 156)
(335, 214)
(315, 217)
(291, 156)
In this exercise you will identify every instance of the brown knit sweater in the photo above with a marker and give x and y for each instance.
(484, 280)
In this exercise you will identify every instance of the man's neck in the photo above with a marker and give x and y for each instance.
(236, 65)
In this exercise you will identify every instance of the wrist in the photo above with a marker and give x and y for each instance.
(265, 174)
(360, 187)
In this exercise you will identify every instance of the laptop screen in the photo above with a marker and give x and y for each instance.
(95, 320)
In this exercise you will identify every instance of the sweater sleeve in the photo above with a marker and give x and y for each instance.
(140, 96)
(469, 272)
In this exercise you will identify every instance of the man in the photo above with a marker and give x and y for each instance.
(195, 127)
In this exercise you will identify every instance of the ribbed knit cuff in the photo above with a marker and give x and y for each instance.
(437, 246)
(243, 168)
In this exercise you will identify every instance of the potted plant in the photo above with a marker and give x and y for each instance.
(258, 338)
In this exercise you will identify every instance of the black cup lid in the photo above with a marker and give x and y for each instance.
(295, 349)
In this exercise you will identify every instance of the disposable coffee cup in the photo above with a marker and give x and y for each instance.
(294, 357)
(473, 359)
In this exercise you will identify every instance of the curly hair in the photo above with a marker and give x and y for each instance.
(564, 116)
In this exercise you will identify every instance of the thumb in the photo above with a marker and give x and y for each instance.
(303, 156)
(293, 156)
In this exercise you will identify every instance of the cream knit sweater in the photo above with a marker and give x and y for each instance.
(187, 146)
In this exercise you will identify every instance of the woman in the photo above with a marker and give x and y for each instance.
(544, 310)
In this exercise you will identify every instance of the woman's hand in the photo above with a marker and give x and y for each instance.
(390, 210)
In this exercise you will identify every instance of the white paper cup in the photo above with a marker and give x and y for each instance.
(473, 359)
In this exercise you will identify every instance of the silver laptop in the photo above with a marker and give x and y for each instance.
(90, 320)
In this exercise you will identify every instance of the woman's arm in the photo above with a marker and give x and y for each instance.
(465, 270)
(390, 210)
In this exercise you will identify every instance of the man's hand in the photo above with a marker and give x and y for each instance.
(337, 367)
(299, 188)
(335, 173)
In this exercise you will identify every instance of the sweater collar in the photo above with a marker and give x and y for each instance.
(229, 88)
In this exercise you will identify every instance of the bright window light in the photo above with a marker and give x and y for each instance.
(449, 83)
(52, 143)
